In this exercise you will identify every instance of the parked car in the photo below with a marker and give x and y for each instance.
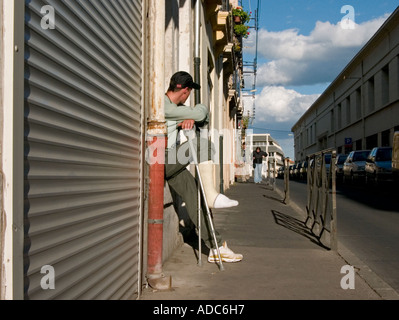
(299, 170)
(339, 165)
(311, 164)
(280, 172)
(327, 162)
(303, 170)
(291, 171)
(296, 170)
(379, 165)
(354, 165)
(395, 156)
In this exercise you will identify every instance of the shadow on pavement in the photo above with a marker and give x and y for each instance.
(274, 198)
(297, 226)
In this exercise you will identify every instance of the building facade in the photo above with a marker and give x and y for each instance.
(82, 87)
(360, 109)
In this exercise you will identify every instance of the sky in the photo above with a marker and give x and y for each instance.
(302, 48)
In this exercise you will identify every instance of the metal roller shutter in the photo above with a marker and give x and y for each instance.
(83, 148)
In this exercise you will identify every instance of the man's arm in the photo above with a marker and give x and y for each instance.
(199, 113)
(186, 124)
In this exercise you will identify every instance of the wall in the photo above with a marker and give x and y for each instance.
(179, 48)
(179, 55)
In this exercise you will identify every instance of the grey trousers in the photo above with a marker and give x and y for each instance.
(185, 185)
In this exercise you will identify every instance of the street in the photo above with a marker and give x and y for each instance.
(368, 224)
(282, 259)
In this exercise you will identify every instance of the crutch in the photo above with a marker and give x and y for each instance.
(190, 134)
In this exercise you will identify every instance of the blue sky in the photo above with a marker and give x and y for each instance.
(302, 47)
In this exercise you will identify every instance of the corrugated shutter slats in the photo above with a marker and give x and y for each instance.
(83, 148)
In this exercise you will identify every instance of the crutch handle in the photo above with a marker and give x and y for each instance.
(190, 133)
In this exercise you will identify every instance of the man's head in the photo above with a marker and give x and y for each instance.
(181, 80)
(180, 87)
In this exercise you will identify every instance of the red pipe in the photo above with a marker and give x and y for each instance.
(156, 132)
(156, 204)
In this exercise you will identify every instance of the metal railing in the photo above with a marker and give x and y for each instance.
(270, 172)
(286, 181)
(321, 202)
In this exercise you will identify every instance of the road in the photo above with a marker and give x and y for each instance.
(367, 224)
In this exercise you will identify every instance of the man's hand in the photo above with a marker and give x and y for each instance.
(186, 124)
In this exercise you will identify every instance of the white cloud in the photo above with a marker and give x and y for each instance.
(295, 59)
(281, 105)
(277, 109)
(299, 60)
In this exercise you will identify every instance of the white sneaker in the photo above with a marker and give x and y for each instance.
(222, 201)
(226, 254)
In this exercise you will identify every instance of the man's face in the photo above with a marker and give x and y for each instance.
(185, 93)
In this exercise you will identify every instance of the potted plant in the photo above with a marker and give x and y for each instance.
(240, 16)
(241, 30)
(237, 47)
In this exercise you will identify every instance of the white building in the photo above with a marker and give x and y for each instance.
(360, 109)
(275, 154)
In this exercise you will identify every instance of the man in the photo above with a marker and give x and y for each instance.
(257, 157)
(177, 157)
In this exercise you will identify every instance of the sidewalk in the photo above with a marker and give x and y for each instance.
(282, 259)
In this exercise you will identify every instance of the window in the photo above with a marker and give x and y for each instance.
(385, 138)
(314, 133)
(339, 116)
(358, 104)
(370, 95)
(348, 111)
(372, 141)
(360, 156)
(358, 144)
(384, 154)
(301, 142)
(385, 85)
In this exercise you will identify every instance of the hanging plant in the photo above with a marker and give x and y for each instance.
(237, 47)
(245, 122)
(242, 14)
(241, 30)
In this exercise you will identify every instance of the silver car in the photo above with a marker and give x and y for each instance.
(339, 165)
(379, 165)
(354, 165)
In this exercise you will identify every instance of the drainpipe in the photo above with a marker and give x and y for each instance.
(156, 143)
(197, 59)
(221, 163)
